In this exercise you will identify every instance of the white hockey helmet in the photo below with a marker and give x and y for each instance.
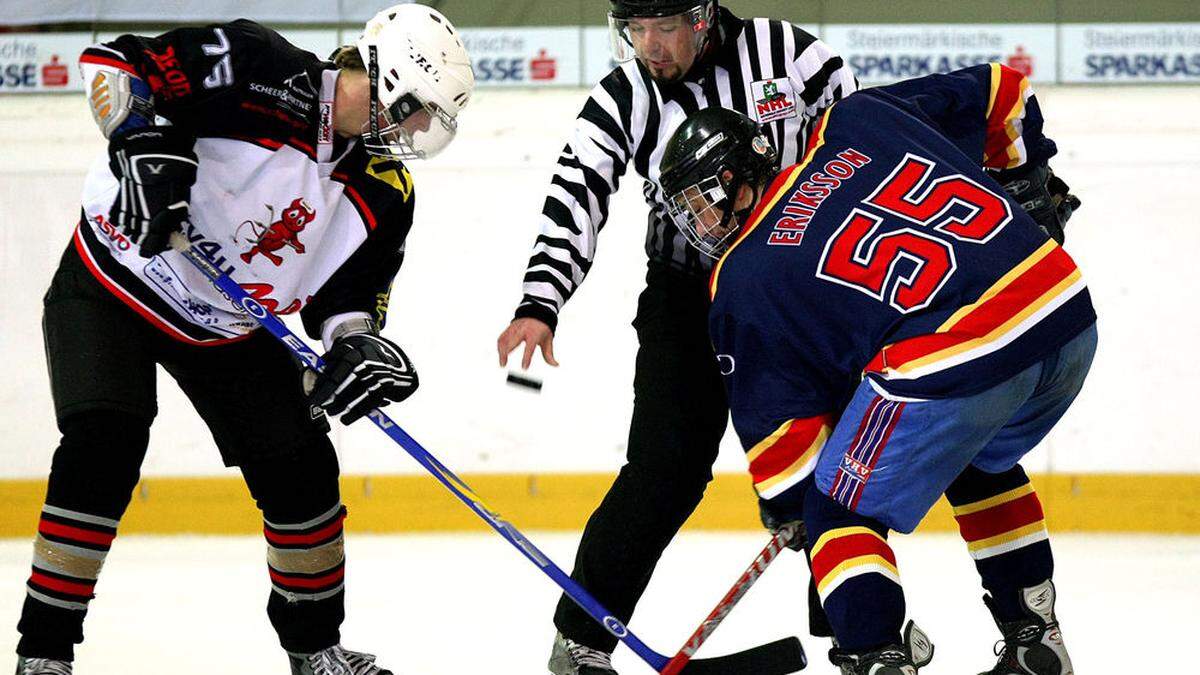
(421, 78)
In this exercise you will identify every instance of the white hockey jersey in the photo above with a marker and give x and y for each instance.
(304, 220)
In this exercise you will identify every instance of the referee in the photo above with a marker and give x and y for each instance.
(678, 56)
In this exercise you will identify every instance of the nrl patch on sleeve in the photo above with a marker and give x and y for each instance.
(773, 99)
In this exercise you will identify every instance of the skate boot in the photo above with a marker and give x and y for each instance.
(28, 666)
(1033, 645)
(905, 659)
(335, 661)
(571, 658)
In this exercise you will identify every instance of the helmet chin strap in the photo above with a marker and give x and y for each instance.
(732, 194)
(744, 214)
(373, 78)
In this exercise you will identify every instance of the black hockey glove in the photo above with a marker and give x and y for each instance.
(1044, 196)
(362, 371)
(775, 523)
(156, 167)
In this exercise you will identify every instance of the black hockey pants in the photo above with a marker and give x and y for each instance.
(102, 358)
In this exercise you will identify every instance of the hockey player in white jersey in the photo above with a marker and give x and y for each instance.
(288, 172)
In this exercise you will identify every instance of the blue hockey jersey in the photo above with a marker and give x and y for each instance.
(889, 253)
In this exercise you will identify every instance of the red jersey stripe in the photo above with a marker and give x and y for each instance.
(1008, 96)
(137, 306)
(1022, 292)
(98, 60)
(1011, 300)
(359, 203)
(784, 452)
(303, 147)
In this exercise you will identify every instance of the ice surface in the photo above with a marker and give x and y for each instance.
(468, 603)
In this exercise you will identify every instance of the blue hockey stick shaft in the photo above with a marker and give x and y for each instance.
(242, 301)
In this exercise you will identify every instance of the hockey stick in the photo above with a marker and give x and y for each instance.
(788, 649)
(777, 658)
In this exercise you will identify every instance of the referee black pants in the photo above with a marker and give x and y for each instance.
(102, 359)
(679, 417)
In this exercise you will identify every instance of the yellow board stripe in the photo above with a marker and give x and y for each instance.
(413, 503)
(1002, 498)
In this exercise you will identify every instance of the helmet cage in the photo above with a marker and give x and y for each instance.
(703, 212)
(410, 128)
(699, 18)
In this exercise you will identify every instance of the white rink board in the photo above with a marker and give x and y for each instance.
(1135, 238)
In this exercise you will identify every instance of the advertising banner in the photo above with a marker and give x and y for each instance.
(1131, 52)
(597, 55)
(33, 12)
(41, 62)
(883, 53)
(523, 57)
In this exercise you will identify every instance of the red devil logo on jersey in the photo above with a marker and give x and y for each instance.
(283, 232)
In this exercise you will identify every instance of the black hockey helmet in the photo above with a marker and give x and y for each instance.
(629, 9)
(701, 15)
(709, 158)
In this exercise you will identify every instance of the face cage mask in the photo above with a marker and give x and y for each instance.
(698, 18)
(704, 215)
(410, 128)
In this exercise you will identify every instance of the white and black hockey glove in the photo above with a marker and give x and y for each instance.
(156, 167)
(362, 371)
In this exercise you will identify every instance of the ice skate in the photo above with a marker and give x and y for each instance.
(335, 661)
(1033, 645)
(571, 658)
(905, 659)
(42, 666)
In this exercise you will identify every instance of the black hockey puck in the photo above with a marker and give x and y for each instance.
(525, 381)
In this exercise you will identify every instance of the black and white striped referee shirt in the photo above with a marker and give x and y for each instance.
(770, 70)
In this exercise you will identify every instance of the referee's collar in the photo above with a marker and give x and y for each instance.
(730, 29)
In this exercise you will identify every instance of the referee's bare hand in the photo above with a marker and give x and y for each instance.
(532, 333)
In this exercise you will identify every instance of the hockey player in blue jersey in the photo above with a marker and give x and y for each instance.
(893, 326)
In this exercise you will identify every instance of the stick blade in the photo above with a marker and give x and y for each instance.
(775, 658)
